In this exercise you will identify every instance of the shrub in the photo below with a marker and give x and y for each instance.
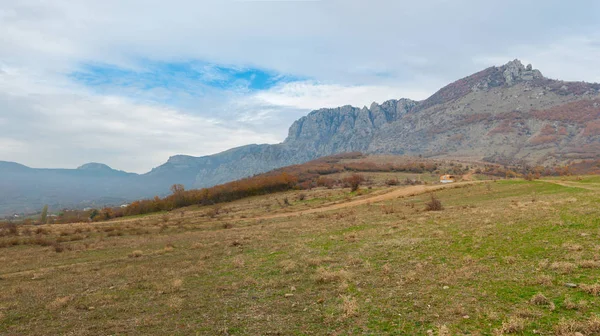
(593, 289)
(512, 325)
(136, 254)
(539, 299)
(388, 209)
(392, 182)
(326, 182)
(8, 229)
(58, 248)
(434, 204)
(354, 181)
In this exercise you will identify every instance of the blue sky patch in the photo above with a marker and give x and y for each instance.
(192, 78)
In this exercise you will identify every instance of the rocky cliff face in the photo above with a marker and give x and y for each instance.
(322, 132)
(509, 113)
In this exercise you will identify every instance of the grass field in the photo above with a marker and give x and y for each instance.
(504, 257)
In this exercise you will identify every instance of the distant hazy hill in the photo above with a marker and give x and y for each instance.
(24, 189)
(510, 113)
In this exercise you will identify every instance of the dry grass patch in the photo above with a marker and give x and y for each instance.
(443, 330)
(177, 285)
(238, 262)
(570, 304)
(349, 306)
(563, 267)
(386, 269)
(167, 249)
(175, 302)
(317, 261)
(572, 328)
(589, 264)
(324, 275)
(288, 266)
(59, 302)
(136, 254)
(512, 325)
(572, 247)
(593, 324)
(567, 328)
(544, 280)
(388, 209)
(354, 261)
(539, 299)
(593, 289)
(351, 237)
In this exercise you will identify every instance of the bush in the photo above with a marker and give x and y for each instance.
(8, 229)
(136, 254)
(392, 182)
(326, 182)
(58, 248)
(354, 181)
(434, 204)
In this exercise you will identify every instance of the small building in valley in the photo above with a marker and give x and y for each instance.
(447, 178)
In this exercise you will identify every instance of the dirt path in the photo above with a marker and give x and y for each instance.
(468, 176)
(396, 193)
(573, 185)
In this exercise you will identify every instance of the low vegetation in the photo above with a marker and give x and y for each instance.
(346, 170)
(327, 261)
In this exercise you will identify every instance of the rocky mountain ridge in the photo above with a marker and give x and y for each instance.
(508, 114)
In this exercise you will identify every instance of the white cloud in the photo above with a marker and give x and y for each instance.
(65, 127)
(353, 52)
(310, 95)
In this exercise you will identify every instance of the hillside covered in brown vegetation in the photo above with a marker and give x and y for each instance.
(348, 170)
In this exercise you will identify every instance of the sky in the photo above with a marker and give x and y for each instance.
(131, 82)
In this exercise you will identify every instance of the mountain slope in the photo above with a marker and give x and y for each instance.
(506, 114)
(510, 114)
(322, 132)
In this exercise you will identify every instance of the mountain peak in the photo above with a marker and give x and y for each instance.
(515, 63)
(515, 71)
(94, 166)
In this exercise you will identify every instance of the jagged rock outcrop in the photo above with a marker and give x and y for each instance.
(322, 132)
(514, 71)
(509, 113)
(495, 114)
(344, 129)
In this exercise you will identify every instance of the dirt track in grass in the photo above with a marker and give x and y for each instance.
(393, 194)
